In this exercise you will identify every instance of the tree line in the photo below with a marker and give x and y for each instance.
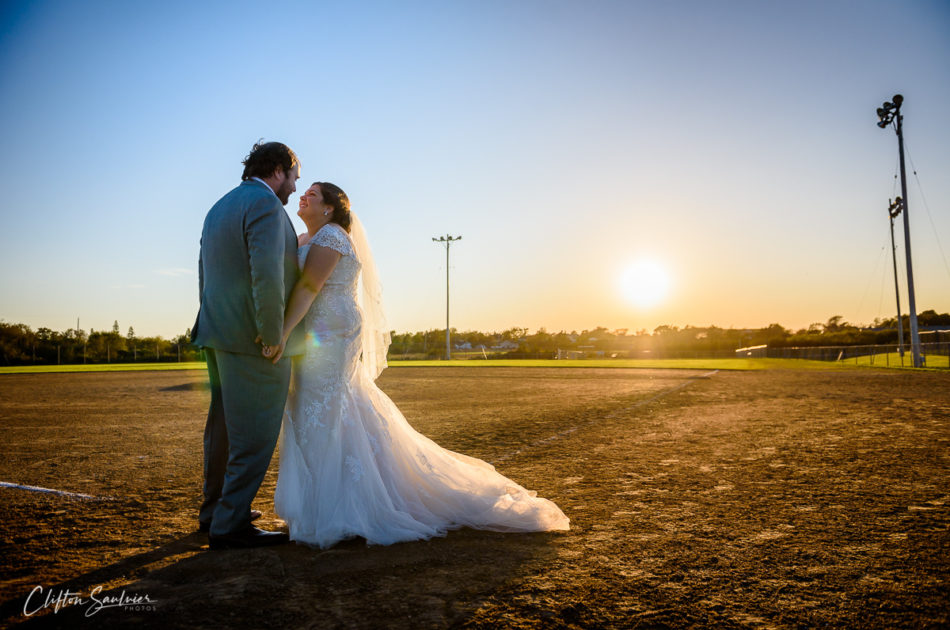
(21, 345)
(662, 341)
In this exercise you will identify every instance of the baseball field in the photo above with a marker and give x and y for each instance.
(781, 497)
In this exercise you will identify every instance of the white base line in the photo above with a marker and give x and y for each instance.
(560, 434)
(62, 493)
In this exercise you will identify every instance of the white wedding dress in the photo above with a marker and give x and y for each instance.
(350, 463)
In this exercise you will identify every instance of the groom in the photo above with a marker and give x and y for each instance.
(247, 268)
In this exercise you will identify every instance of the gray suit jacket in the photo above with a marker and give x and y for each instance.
(246, 271)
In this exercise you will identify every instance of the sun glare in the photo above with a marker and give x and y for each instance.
(645, 283)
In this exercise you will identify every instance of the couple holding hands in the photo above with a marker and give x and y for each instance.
(294, 335)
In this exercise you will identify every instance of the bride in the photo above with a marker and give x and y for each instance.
(350, 463)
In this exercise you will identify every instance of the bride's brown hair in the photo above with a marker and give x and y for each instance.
(334, 196)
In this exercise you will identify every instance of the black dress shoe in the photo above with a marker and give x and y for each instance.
(250, 537)
(205, 526)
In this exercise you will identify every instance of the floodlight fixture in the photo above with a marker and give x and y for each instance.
(895, 207)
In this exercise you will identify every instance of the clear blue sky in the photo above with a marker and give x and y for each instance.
(732, 142)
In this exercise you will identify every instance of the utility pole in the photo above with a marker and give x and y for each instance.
(893, 210)
(888, 113)
(447, 240)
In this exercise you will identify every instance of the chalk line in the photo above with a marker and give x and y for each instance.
(613, 414)
(61, 493)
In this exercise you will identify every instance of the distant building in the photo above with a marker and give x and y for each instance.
(752, 351)
(505, 345)
(581, 354)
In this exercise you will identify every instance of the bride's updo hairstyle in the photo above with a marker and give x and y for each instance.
(334, 197)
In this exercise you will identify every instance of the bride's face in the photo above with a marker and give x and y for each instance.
(312, 207)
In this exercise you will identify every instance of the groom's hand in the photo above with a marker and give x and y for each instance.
(271, 352)
(276, 352)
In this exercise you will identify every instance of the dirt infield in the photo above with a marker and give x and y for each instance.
(778, 499)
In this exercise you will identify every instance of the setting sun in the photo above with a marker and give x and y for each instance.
(645, 283)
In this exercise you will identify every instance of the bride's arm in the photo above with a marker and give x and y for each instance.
(317, 268)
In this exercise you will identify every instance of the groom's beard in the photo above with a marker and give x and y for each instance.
(283, 192)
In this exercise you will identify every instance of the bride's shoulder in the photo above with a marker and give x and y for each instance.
(333, 236)
(332, 227)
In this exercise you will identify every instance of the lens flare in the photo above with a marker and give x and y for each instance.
(312, 340)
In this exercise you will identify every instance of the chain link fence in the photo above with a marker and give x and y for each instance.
(936, 355)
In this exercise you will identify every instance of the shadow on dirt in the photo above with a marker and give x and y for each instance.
(200, 386)
(434, 583)
(42, 603)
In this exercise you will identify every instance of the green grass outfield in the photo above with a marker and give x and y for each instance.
(668, 364)
(103, 367)
(893, 359)
(686, 364)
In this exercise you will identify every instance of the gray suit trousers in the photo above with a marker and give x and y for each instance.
(248, 394)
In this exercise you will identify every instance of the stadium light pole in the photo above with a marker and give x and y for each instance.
(889, 113)
(447, 241)
(892, 211)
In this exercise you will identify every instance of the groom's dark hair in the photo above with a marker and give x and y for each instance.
(266, 157)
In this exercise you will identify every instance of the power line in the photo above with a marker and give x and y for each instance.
(871, 278)
(929, 216)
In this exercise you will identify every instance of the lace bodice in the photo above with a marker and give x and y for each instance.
(331, 235)
(334, 312)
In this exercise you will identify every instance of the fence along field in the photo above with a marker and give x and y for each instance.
(880, 360)
(760, 497)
